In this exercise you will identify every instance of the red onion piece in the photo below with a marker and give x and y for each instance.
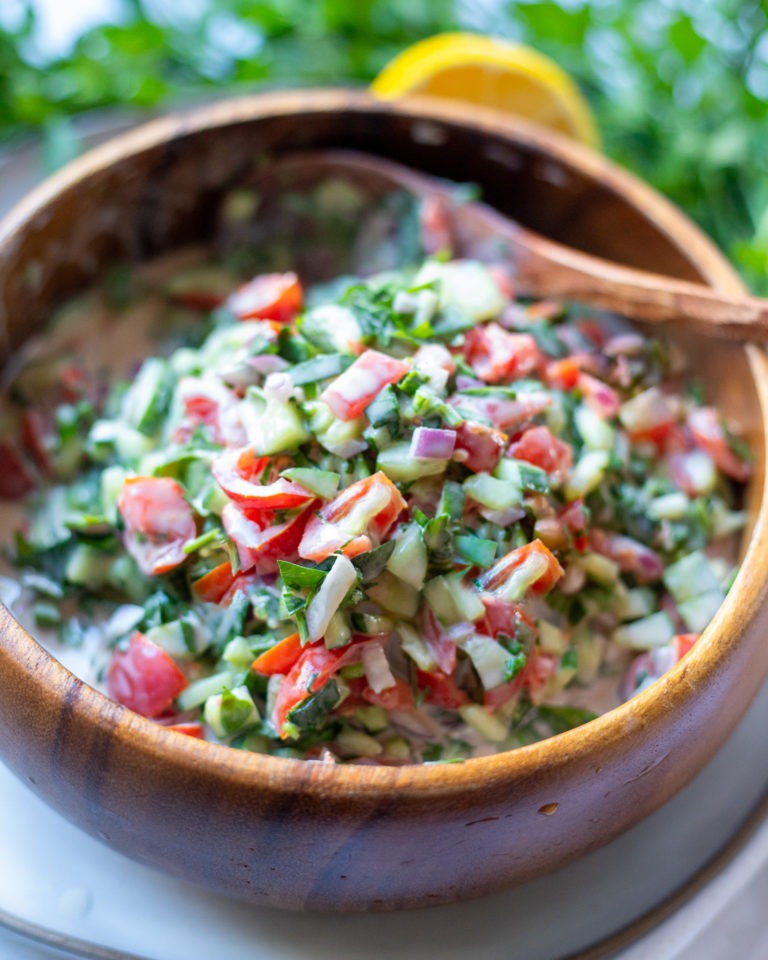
(267, 363)
(429, 443)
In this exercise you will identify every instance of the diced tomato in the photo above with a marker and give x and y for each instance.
(683, 643)
(16, 476)
(630, 555)
(435, 224)
(709, 434)
(271, 296)
(496, 355)
(212, 587)
(505, 412)
(563, 374)
(238, 474)
(481, 444)
(189, 729)
(441, 690)
(501, 616)
(310, 672)
(539, 447)
(36, 436)
(144, 678)
(240, 587)
(207, 401)
(366, 508)
(261, 543)
(442, 648)
(398, 697)
(436, 361)
(693, 472)
(599, 396)
(535, 551)
(280, 658)
(574, 518)
(502, 279)
(158, 522)
(539, 668)
(351, 392)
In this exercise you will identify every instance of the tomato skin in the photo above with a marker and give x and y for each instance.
(154, 508)
(270, 296)
(280, 658)
(309, 673)
(502, 616)
(538, 446)
(372, 505)
(209, 402)
(351, 392)
(260, 543)
(563, 374)
(399, 697)
(144, 678)
(492, 579)
(495, 354)
(574, 518)
(709, 434)
(483, 445)
(190, 729)
(504, 412)
(212, 587)
(238, 472)
(443, 691)
(435, 224)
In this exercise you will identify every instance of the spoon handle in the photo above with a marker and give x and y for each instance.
(544, 268)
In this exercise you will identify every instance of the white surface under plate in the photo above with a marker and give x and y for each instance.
(56, 877)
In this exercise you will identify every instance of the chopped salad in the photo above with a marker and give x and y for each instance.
(396, 518)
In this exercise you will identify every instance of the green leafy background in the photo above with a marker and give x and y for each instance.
(680, 87)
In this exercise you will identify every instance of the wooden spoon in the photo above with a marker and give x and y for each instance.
(541, 267)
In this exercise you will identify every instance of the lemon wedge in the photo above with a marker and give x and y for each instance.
(494, 73)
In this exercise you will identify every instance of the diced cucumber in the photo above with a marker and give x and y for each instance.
(408, 561)
(124, 575)
(145, 403)
(331, 327)
(112, 480)
(589, 654)
(323, 483)
(653, 631)
(525, 476)
(338, 632)
(416, 648)
(238, 654)
(200, 690)
(690, 577)
(278, 428)
(485, 724)
(359, 744)
(229, 712)
(394, 595)
(598, 568)
(698, 611)
(596, 432)
(375, 624)
(373, 718)
(172, 637)
(88, 567)
(587, 473)
(491, 492)
(397, 748)
(551, 638)
(452, 601)
(341, 437)
(672, 506)
(635, 603)
(465, 285)
(398, 464)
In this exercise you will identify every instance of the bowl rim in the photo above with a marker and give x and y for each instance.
(280, 774)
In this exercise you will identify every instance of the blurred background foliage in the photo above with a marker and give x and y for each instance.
(679, 87)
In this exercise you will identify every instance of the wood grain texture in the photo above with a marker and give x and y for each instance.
(316, 836)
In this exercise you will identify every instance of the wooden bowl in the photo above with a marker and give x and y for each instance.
(316, 836)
